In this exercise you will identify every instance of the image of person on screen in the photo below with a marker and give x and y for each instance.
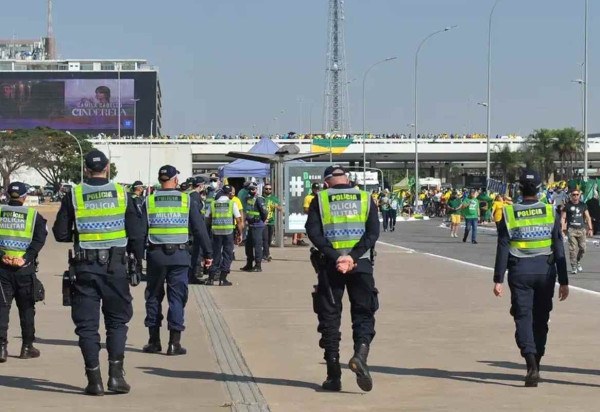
(103, 94)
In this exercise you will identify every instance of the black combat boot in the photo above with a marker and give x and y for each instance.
(29, 352)
(175, 347)
(95, 386)
(334, 373)
(358, 365)
(248, 267)
(533, 374)
(153, 345)
(210, 280)
(257, 267)
(538, 359)
(223, 279)
(116, 377)
(3, 352)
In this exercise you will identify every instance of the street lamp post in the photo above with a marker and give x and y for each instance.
(585, 96)
(80, 152)
(489, 94)
(416, 123)
(150, 156)
(364, 137)
(135, 117)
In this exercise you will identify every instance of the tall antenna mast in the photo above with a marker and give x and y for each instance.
(335, 109)
(51, 52)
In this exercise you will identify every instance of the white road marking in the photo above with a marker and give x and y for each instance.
(571, 287)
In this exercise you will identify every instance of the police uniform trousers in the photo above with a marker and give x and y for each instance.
(109, 292)
(531, 303)
(172, 270)
(136, 247)
(222, 252)
(197, 253)
(20, 288)
(268, 233)
(363, 305)
(254, 244)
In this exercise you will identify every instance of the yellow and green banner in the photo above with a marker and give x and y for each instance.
(334, 145)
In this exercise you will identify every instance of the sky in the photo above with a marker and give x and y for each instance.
(233, 66)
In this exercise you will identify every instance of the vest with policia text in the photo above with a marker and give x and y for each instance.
(344, 215)
(530, 229)
(16, 229)
(222, 218)
(100, 215)
(168, 217)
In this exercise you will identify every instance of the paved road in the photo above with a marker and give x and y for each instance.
(443, 343)
(431, 237)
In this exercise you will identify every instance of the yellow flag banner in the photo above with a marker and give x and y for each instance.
(334, 145)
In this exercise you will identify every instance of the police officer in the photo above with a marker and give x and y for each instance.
(343, 225)
(136, 237)
(196, 201)
(94, 216)
(224, 217)
(530, 246)
(22, 236)
(256, 216)
(170, 219)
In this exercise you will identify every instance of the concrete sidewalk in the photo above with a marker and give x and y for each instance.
(443, 343)
(55, 381)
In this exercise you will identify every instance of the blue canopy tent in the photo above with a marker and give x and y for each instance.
(250, 168)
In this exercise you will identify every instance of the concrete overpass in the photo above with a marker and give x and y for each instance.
(140, 158)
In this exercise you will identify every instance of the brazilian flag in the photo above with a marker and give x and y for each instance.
(334, 145)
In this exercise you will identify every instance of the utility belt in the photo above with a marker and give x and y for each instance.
(113, 255)
(169, 248)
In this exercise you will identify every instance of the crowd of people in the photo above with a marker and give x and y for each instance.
(309, 136)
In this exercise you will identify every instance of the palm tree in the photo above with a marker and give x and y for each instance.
(507, 163)
(540, 151)
(568, 145)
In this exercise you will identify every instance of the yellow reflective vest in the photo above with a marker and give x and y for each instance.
(529, 229)
(100, 215)
(168, 217)
(344, 214)
(16, 229)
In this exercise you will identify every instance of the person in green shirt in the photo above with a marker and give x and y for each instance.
(485, 205)
(272, 203)
(454, 206)
(470, 210)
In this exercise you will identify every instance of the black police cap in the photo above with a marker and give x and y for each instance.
(167, 172)
(95, 161)
(334, 170)
(529, 176)
(17, 190)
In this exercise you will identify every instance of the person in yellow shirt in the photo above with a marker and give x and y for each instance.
(238, 202)
(497, 207)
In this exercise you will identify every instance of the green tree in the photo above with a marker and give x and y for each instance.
(55, 155)
(539, 151)
(507, 163)
(568, 145)
(14, 153)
